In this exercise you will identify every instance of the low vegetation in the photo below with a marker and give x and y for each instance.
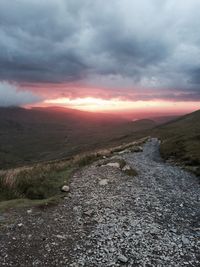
(87, 159)
(131, 172)
(41, 184)
(39, 135)
(180, 141)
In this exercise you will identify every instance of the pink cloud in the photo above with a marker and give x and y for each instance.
(76, 90)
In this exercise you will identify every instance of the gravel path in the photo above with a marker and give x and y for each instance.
(112, 219)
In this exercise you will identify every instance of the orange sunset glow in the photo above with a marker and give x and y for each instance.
(97, 104)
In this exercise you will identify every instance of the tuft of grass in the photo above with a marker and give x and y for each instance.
(122, 163)
(87, 159)
(36, 183)
(131, 172)
(40, 185)
(133, 146)
(25, 203)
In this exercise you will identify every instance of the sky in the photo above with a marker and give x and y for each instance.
(100, 55)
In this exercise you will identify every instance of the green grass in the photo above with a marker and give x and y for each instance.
(181, 141)
(88, 159)
(37, 185)
(122, 163)
(131, 172)
(40, 184)
(25, 203)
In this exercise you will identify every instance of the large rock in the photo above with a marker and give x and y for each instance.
(113, 164)
(65, 188)
(103, 182)
(126, 168)
(122, 258)
(185, 240)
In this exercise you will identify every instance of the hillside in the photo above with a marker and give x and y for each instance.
(40, 134)
(181, 140)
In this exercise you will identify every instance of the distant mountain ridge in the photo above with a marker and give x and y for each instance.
(39, 134)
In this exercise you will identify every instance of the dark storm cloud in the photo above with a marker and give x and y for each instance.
(37, 42)
(125, 44)
(195, 76)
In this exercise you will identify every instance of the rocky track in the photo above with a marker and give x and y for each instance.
(112, 219)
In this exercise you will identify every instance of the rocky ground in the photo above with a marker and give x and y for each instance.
(110, 218)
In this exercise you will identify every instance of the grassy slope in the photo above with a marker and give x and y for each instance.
(27, 136)
(41, 184)
(181, 140)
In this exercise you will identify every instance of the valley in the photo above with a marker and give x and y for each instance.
(42, 134)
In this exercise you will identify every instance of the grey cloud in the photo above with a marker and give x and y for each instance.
(134, 44)
(195, 76)
(11, 96)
